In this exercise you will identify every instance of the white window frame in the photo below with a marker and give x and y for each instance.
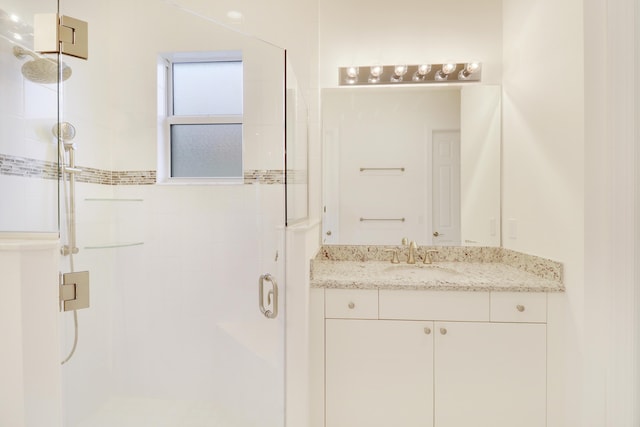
(167, 119)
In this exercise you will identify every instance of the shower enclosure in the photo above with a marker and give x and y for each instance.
(185, 275)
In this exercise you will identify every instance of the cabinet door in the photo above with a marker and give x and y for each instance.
(490, 374)
(379, 373)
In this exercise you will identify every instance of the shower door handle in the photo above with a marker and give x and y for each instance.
(272, 296)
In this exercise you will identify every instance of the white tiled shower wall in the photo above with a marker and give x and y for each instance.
(157, 302)
(28, 111)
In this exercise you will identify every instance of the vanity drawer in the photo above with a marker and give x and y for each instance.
(351, 303)
(434, 305)
(528, 307)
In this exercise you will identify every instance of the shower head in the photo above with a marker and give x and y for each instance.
(41, 69)
(64, 130)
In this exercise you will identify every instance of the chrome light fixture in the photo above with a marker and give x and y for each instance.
(424, 73)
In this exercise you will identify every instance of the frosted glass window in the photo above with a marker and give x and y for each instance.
(207, 88)
(206, 150)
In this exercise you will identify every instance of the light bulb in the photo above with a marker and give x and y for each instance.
(424, 69)
(376, 70)
(398, 72)
(235, 16)
(443, 74)
(374, 73)
(352, 72)
(469, 68)
(421, 73)
(448, 68)
(472, 67)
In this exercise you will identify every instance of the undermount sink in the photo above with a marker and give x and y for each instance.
(428, 271)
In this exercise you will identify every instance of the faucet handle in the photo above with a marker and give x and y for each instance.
(405, 241)
(427, 256)
(394, 257)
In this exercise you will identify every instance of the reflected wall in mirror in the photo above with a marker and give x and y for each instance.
(422, 163)
(297, 149)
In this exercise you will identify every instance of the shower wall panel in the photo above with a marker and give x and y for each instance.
(174, 335)
(28, 111)
(29, 362)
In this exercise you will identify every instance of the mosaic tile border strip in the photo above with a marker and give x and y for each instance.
(297, 176)
(32, 168)
(263, 176)
(27, 168)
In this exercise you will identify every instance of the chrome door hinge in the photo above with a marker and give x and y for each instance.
(60, 34)
(74, 291)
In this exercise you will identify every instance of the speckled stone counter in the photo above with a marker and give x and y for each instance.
(454, 268)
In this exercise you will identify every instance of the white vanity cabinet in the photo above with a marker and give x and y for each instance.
(490, 374)
(379, 373)
(451, 359)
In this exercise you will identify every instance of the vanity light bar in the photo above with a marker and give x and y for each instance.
(410, 74)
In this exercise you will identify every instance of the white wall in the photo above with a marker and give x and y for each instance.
(480, 164)
(362, 32)
(543, 172)
(29, 363)
(612, 296)
(598, 217)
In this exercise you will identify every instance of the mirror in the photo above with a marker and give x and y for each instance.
(415, 162)
(297, 149)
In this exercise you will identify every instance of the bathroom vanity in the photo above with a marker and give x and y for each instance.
(459, 342)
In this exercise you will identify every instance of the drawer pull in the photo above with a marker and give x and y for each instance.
(351, 305)
(427, 331)
(443, 331)
(520, 308)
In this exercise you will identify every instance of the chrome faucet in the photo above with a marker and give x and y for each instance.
(411, 259)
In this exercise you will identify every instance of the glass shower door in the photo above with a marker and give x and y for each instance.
(179, 331)
(28, 112)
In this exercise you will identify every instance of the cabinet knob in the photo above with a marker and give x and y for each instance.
(520, 308)
(351, 305)
(443, 331)
(427, 331)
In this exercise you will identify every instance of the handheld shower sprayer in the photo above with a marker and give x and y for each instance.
(65, 131)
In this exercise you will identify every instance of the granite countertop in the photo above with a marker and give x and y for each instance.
(453, 269)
